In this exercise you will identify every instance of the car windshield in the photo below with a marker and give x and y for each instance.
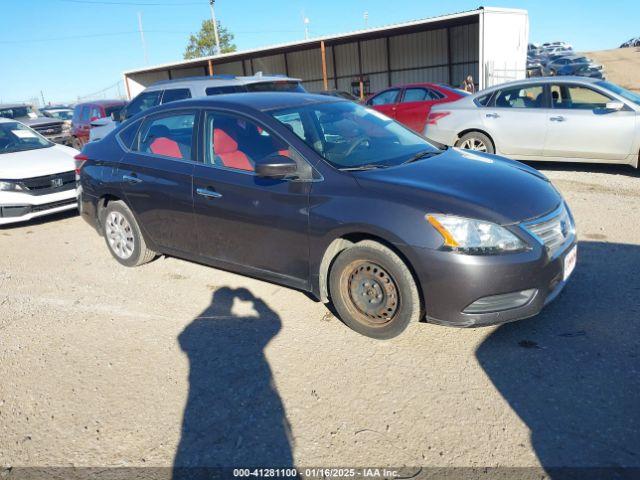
(350, 136)
(16, 137)
(623, 92)
(277, 86)
(60, 114)
(17, 112)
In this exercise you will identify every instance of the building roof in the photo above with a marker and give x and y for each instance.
(328, 38)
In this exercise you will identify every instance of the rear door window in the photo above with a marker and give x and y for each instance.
(84, 114)
(420, 95)
(168, 136)
(530, 96)
(176, 94)
(224, 89)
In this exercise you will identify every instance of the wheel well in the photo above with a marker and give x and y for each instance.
(470, 130)
(102, 205)
(344, 242)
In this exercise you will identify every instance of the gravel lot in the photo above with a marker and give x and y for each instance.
(106, 366)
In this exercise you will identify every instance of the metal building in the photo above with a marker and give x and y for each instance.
(488, 43)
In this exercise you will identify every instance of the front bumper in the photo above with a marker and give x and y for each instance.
(20, 207)
(451, 282)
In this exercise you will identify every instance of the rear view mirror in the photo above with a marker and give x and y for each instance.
(615, 106)
(276, 167)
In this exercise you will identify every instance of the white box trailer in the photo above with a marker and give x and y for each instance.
(488, 43)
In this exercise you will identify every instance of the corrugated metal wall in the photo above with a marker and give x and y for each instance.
(444, 55)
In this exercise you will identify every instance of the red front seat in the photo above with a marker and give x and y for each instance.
(225, 147)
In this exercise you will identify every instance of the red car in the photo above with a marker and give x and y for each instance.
(85, 113)
(410, 104)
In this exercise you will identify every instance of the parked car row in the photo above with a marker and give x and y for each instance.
(54, 129)
(559, 59)
(634, 42)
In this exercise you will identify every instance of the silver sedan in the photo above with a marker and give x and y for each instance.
(568, 119)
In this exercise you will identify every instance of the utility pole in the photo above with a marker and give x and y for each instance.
(215, 26)
(366, 19)
(306, 28)
(42, 95)
(144, 45)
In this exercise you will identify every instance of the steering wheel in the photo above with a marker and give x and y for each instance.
(355, 144)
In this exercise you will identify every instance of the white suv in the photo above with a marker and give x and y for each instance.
(166, 91)
(37, 177)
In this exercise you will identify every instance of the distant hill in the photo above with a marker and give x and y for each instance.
(622, 66)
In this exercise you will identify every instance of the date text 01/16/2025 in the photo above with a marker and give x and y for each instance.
(311, 473)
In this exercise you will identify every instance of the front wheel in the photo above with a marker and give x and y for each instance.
(373, 291)
(123, 237)
(476, 141)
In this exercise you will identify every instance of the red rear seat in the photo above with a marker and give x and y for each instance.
(165, 146)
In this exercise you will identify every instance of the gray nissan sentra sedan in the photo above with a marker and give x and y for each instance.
(327, 196)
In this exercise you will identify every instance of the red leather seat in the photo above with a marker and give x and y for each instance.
(165, 146)
(225, 147)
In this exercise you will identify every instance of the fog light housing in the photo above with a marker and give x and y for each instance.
(499, 303)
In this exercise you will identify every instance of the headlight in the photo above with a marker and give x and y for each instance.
(66, 127)
(475, 237)
(8, 186)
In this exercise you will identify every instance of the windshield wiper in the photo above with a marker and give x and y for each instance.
(425, 154)
(368, 166)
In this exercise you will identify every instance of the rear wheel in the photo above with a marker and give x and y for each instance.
(123, 237)
(476, 141)
(373, 291)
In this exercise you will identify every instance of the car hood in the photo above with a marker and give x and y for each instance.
(37, 163)
(32, 122)
(470, 184)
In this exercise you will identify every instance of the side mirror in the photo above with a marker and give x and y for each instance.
(615, 106)
(276, 167)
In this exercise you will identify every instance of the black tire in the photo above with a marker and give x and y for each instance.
(373, 291)
(476, 141)
(123, 237)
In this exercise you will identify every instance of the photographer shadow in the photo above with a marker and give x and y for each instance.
(572, 374)
(233, 416)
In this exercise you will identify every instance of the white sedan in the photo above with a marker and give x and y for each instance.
(37, 177)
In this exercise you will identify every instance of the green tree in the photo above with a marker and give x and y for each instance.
(203, 44)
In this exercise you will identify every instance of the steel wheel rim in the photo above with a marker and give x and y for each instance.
(120, 235)
(372, 292)
(474, 144)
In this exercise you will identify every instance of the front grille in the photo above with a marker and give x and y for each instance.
(47, 184)
(552, 230)
(49, 129)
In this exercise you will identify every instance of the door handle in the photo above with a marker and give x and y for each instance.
(131, 179)
(492, 115)
(208, 193)
(557, 119)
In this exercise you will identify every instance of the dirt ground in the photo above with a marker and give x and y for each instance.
(101, 365)
(621, 65)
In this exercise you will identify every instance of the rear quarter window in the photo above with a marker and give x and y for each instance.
(128, 134)
(483, 101)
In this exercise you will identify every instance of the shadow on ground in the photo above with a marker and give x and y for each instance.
(234, 416)
(572, 374)
(611, 169)
(54, 217)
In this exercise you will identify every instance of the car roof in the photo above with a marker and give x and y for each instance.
(537, 81)
(219, 81)
(13, 105)
(262, 101)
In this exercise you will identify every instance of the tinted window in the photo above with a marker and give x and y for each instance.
(128, 134)
(577, 98)
(521, 97)
(234, 142)
(168, 136)
(142, 102)
(84, 115)
(112, 109)
(282, 86)
(483, 101)
(420, 95)
(225, 89)
(384, 98)
(175, 95)
(632, 96)
(95, 113)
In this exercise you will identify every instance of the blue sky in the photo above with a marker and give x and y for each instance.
(39, 49)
